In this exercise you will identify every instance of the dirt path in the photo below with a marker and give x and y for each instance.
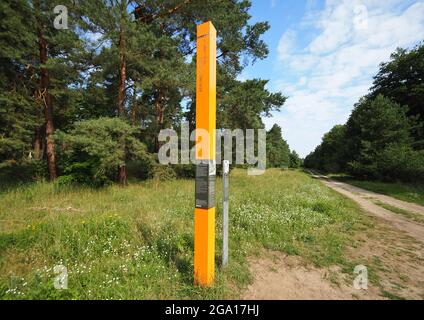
(282, 277)
(412, 207)
(364, 199)
(393, 250)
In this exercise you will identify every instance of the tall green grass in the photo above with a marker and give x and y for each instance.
(137, 242)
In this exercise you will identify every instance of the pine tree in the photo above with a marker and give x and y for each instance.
(56, 65)
(277, 149)
(245, 103)
(401, 79)
(17, 112)
(295, 160)
(374, 125)
(113, 21)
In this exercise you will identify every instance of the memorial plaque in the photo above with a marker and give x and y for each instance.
(205, 185)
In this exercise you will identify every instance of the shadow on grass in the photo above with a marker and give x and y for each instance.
(175, 249)
(8, 186)
(317, 174)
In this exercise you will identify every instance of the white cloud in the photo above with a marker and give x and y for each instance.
(329, 73)
(286, 44)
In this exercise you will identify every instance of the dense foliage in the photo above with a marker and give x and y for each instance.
(383, 137)
(277, 149)
(295, 160)
(94, 150)
(133, 60)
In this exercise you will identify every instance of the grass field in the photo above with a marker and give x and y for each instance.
(137, 242)
(402, 191)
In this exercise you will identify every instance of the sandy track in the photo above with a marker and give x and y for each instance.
(282, 277)
(416, 208)
(412, 207)
(397, 242)
(364, 199)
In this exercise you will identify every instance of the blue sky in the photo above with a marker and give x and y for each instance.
(323, 55)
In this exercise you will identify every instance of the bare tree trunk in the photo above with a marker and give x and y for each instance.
(122, 71)
(122, 175)
(122, 172)
(37, 144)
(134, 106)
(159, 110)
(46, 97)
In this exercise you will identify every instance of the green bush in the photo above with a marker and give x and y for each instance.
(185, 171)
(295, 160)
(395, 162)
(94, 150)
(142, 169)
(163, 173)
(400, 161)
(22, 171)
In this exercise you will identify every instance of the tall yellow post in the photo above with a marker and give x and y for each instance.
(204, 215)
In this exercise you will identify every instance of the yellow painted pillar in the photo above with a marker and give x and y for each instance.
(204, 215)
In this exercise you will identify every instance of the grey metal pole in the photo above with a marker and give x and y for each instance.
(225, 207)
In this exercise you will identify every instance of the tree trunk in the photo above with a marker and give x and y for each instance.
(122, 70)
(37, 145)
(46, 97)
(134, 107)
(122, 175)
(159, 110)
(122, 172)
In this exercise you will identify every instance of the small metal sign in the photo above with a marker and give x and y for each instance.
(226, 166)
(225, 205)
(205, 184)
